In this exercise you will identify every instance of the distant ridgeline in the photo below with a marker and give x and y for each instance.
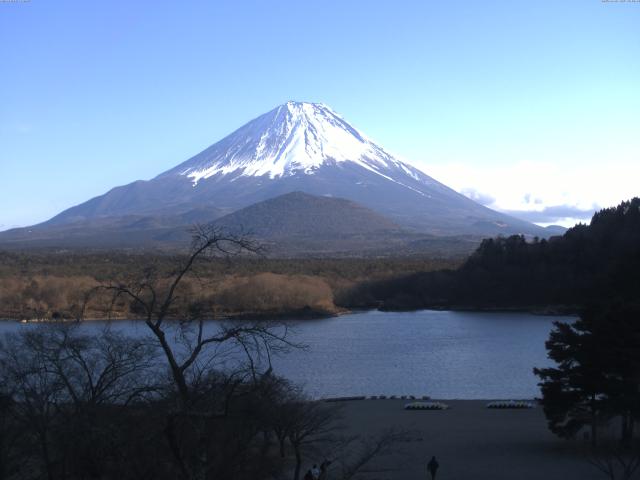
(589, 263)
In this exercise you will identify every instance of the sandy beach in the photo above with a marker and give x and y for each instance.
(470, 442)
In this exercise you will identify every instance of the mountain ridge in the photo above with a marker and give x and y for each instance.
(293, 225)
(297, 147)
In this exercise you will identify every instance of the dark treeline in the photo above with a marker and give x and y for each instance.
(587, 264)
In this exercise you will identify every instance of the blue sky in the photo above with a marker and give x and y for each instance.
(531, 107)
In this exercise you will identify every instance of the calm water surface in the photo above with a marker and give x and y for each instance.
(444, 354)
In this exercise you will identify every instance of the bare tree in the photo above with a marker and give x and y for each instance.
(10, 436)
(307, 424)
(155, 296)
(280, 397)
(108, 368)
(356, 456)
(37, 394)
(191, 347)
(616, 462)
(56, 377)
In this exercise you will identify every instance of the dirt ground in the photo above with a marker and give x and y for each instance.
(470, 442)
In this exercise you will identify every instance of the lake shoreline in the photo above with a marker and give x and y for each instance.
(314, 314)
(311, 314)
(407, 399)
(544, 310)
(292, 315)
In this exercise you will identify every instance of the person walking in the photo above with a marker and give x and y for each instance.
(432, 467)
(315, 472)
(308, 475)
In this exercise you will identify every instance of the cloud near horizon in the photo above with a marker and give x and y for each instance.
(549, 215)
(556, 214)
(480, 197)
(545, 193)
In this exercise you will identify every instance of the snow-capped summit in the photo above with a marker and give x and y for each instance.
(297, 147)
(297, 137)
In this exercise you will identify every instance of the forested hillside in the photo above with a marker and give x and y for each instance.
(589, 263)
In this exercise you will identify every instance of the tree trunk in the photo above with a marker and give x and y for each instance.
(202, 453)
(45, 455)
(594, 422)
(626, 430)
(266, 443)
(170, 434)
(296, 473)
(176, 371)
(3, 467)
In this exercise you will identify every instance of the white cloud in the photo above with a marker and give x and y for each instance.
(480, 197)
(544, 192)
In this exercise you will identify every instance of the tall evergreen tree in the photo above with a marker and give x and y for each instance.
(598, 373)
(573, 393)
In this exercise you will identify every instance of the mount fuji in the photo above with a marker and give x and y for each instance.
(296, 147)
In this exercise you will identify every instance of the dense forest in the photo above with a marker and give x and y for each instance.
(588, 264)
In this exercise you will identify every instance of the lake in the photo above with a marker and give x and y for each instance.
(443, 354)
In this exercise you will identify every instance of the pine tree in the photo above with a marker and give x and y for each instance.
(598, 373)
(573, 393)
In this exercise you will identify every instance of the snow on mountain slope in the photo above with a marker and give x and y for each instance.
(296, 137)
